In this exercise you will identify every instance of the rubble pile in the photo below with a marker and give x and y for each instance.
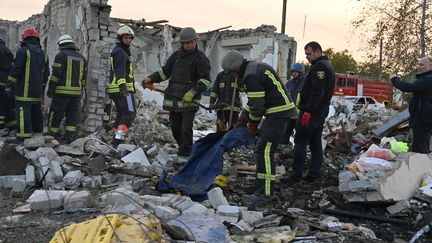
(379, 175)
(349, 123)
(89, 176)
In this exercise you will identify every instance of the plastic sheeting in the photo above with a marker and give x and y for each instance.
(205, 163)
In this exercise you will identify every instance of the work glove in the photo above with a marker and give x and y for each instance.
(305, 119)
(252, 127)
(123, 90)
(187, 98)
(242, 120)
(398, 147)
(220, 125)
(149, 86)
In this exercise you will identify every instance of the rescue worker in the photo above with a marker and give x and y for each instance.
(188, 71)
(7, 99)
(420, 106)
(66, 84)
(29, 75)
(314, 107)
(122, 88)
(225, 95)
(267, 96)
(294, 86)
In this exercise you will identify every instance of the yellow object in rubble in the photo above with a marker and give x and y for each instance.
(398, 147)
(221, 126)
(112, 228)
(221, 181)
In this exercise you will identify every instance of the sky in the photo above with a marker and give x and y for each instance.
(327, 21)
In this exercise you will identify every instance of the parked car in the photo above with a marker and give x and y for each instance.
(365, 101)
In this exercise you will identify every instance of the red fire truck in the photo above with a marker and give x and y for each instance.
(351, 85)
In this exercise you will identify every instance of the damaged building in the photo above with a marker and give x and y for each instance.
(94, 31)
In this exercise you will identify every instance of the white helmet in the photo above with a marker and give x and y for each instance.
(125, 30)
(65, 39)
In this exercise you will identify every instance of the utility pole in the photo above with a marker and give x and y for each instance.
(284, 5)
(380, 59)
(423, 29)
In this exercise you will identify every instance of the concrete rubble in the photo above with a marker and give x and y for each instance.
(394, 180)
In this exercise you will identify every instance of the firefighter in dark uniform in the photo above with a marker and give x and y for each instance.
(267, 96)
(65, 87)
(294, 86)
(225, 95)
(7, 99)
(122, 88)
(29, 75)
(188, 71)
(314, 107)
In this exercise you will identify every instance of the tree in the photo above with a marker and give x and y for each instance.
(342, 61)
(402, 26)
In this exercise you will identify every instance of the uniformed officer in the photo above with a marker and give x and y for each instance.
(29, 75)
(188, 71)
(67, 82)
(314, 107)
(225, 94)
(267, 96)
(122, 88)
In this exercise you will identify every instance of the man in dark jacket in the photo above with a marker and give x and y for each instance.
(188, 71)
(122, 87)
(65, 87)
(420, 107)
(225, 95)
(314, 107)
(267, 96)
(29, 75)
(7, 99)
(294, 86)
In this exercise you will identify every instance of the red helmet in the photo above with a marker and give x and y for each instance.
(30, 32)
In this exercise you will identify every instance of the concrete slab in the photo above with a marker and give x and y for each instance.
(44, 200)
(216, 197)
(77, 200)
(166, 213)
(137, 156)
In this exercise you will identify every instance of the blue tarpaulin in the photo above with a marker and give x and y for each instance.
(205, 163)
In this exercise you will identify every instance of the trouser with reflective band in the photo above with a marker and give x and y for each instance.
(270, 135)
(29, 118)
(225, 116)
(125, 114)
(7, 110)
(62, 106)
(181, 124)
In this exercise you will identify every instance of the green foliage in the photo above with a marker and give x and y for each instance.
(342, 61)
(398, 24)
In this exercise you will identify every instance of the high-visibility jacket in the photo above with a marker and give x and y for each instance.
(185, 71)
(225, 89)
(30, 71)
(121, 69)
(267, 95)
(69, 72)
